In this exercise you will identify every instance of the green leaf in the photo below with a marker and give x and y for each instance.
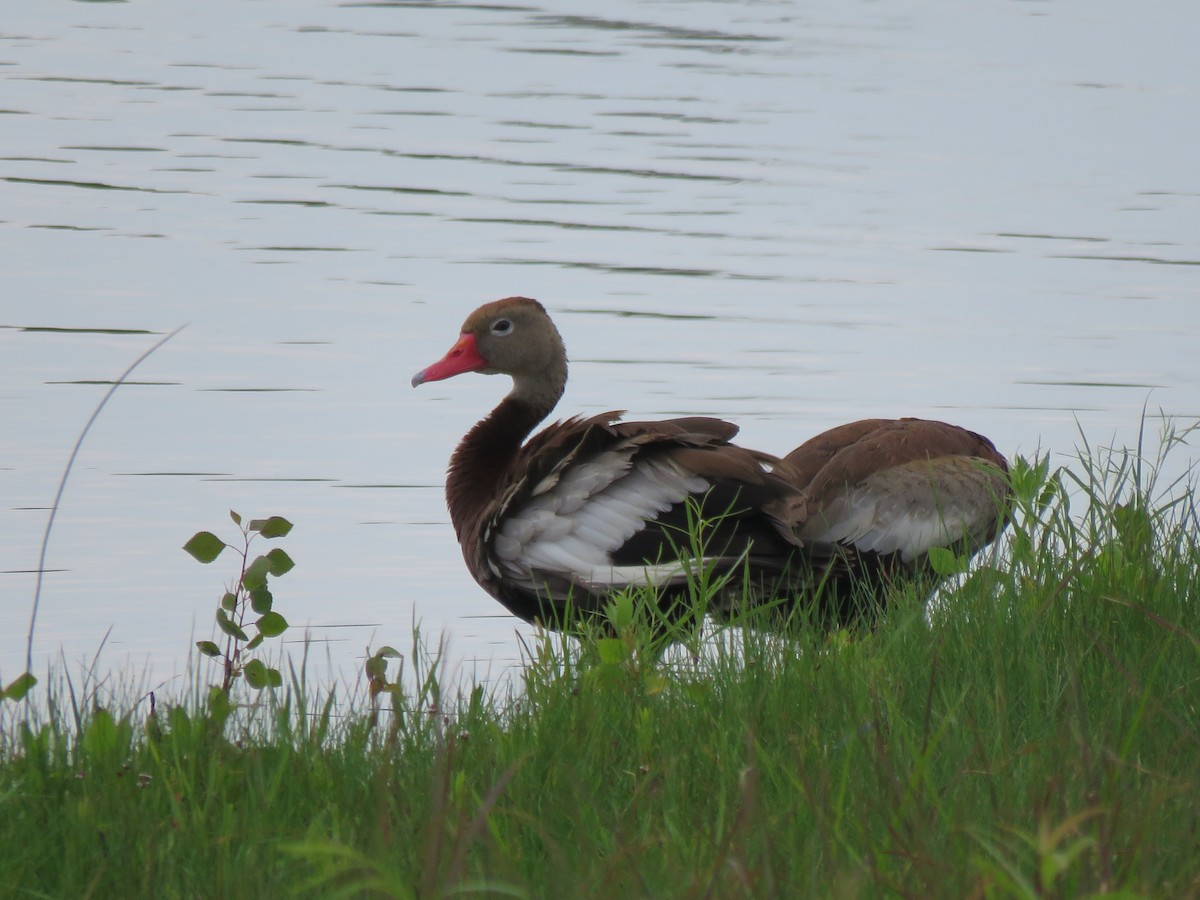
(261, 600)
(274, 527)
(228, 602)
(18, 687)
(255, 641)
(376, 665)
(256, 573)
(272, 625)
(945, 562)
(204, 546)
(219, 707)
(620, 612)
(256, 674)
(612, 650)
(279, 563)
(237, 519)
(230, 627)
(208, 648)
(102, 735)
(656, 684)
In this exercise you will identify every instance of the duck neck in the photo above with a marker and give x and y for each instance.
(484, 456)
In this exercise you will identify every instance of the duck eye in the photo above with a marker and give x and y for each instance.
(501, 326)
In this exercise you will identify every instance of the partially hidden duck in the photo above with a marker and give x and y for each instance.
(552, 525)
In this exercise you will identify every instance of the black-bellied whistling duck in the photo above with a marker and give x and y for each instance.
(591, 505)
(879, 493)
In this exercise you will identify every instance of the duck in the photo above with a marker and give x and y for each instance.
(555, 524)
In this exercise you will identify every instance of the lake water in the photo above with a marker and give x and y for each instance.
(787, 214)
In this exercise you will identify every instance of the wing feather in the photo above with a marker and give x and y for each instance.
(566, 519)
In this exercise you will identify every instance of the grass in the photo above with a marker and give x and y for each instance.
(1033, 733)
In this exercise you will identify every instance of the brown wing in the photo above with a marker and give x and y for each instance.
(900, 486)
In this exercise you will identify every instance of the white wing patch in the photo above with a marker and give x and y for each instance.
(910, 508)
(579, 515)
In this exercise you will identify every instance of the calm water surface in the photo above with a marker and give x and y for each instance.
(786, 214)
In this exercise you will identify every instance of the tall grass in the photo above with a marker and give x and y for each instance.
(1035, 733)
